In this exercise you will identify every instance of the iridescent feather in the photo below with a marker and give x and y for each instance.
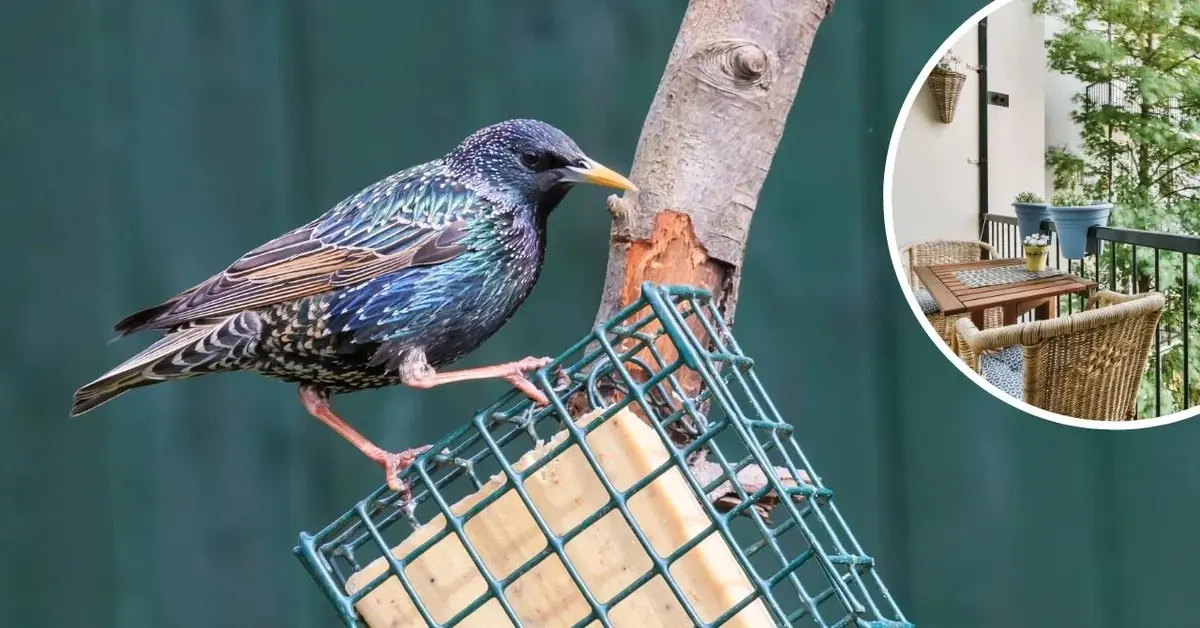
(394, 282)
(436, 257)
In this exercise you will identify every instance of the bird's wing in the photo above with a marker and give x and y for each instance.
(386, 228)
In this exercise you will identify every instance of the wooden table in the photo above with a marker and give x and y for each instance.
(1016, 298)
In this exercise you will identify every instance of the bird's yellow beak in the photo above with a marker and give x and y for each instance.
(596, 174)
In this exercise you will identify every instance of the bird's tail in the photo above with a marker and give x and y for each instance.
(186, 352)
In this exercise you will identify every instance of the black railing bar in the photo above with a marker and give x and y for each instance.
(1187, 389)
(1133, 289)
(1133, 271)
(1166, 241)
(1157, 346)
(1001, 219)
(1112, 269)
(1179, 243)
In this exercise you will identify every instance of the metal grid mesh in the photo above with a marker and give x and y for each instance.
(804, 564)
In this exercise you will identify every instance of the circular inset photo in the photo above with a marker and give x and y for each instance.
(1042, 202)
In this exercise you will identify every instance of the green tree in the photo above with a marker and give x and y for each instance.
(1138, 121)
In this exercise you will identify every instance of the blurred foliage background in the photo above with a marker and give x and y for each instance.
(144, 145)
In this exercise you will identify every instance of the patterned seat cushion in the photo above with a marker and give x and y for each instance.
(1004, 369)
(925, 300)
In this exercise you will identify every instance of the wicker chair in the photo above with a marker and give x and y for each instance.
(944, 252)
(1087, 365)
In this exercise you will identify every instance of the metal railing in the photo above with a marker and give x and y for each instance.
(1132, 261)
(1123, 95)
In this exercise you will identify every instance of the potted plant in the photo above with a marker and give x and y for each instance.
(1031, 210)
(1036, 247)
(945, 83)
(1073, 214)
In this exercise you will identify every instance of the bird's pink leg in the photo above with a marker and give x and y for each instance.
(316, 401)
(418, 374)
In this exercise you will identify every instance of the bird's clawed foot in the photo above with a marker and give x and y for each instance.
(395, 463)
(562, 380)
(417, 373)
(518, 378)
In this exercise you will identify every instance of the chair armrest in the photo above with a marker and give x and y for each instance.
(1105, 298)
(972, 341)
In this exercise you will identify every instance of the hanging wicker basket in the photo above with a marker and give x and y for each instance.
(946, 87)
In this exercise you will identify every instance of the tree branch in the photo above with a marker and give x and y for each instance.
(1165, 160)
(705, 149)
(1177, 191)
(707, 144)
(1173, 66)
(1169, 171)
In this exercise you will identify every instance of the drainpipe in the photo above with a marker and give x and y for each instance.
(983, 126)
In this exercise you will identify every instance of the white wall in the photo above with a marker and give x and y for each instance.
(1060, 89)
(936, 187)
(1017, 133)
(935, 192)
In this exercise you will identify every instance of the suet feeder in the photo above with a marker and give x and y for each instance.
(592, 512)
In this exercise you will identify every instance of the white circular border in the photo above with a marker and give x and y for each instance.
(888, 169)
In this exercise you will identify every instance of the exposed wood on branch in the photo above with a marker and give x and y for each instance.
(703, 155)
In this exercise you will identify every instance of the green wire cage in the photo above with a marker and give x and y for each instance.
(670, 358)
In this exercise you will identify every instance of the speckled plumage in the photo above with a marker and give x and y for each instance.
(348, 339)
(434, 259)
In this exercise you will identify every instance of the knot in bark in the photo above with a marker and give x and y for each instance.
(734, 65)
(749, 63)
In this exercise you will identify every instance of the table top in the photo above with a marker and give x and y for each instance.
(953, 297)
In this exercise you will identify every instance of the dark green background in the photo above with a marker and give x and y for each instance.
(145, 144)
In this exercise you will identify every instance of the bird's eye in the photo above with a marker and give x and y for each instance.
(533, 160)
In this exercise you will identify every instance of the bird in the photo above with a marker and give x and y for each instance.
(390, 286)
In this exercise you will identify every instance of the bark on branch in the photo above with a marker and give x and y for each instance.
(705, 149)
(706, 146)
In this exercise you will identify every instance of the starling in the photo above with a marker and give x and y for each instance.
(389, 286)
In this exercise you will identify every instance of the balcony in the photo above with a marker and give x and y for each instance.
(1134, 261)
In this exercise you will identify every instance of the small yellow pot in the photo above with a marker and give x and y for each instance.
(1035, 257)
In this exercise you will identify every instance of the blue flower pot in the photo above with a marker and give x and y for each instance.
(1030, 217)
(1072, 224)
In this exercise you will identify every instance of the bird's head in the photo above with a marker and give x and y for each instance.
(530, 161)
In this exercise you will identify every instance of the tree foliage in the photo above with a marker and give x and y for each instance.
(1139, 122)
